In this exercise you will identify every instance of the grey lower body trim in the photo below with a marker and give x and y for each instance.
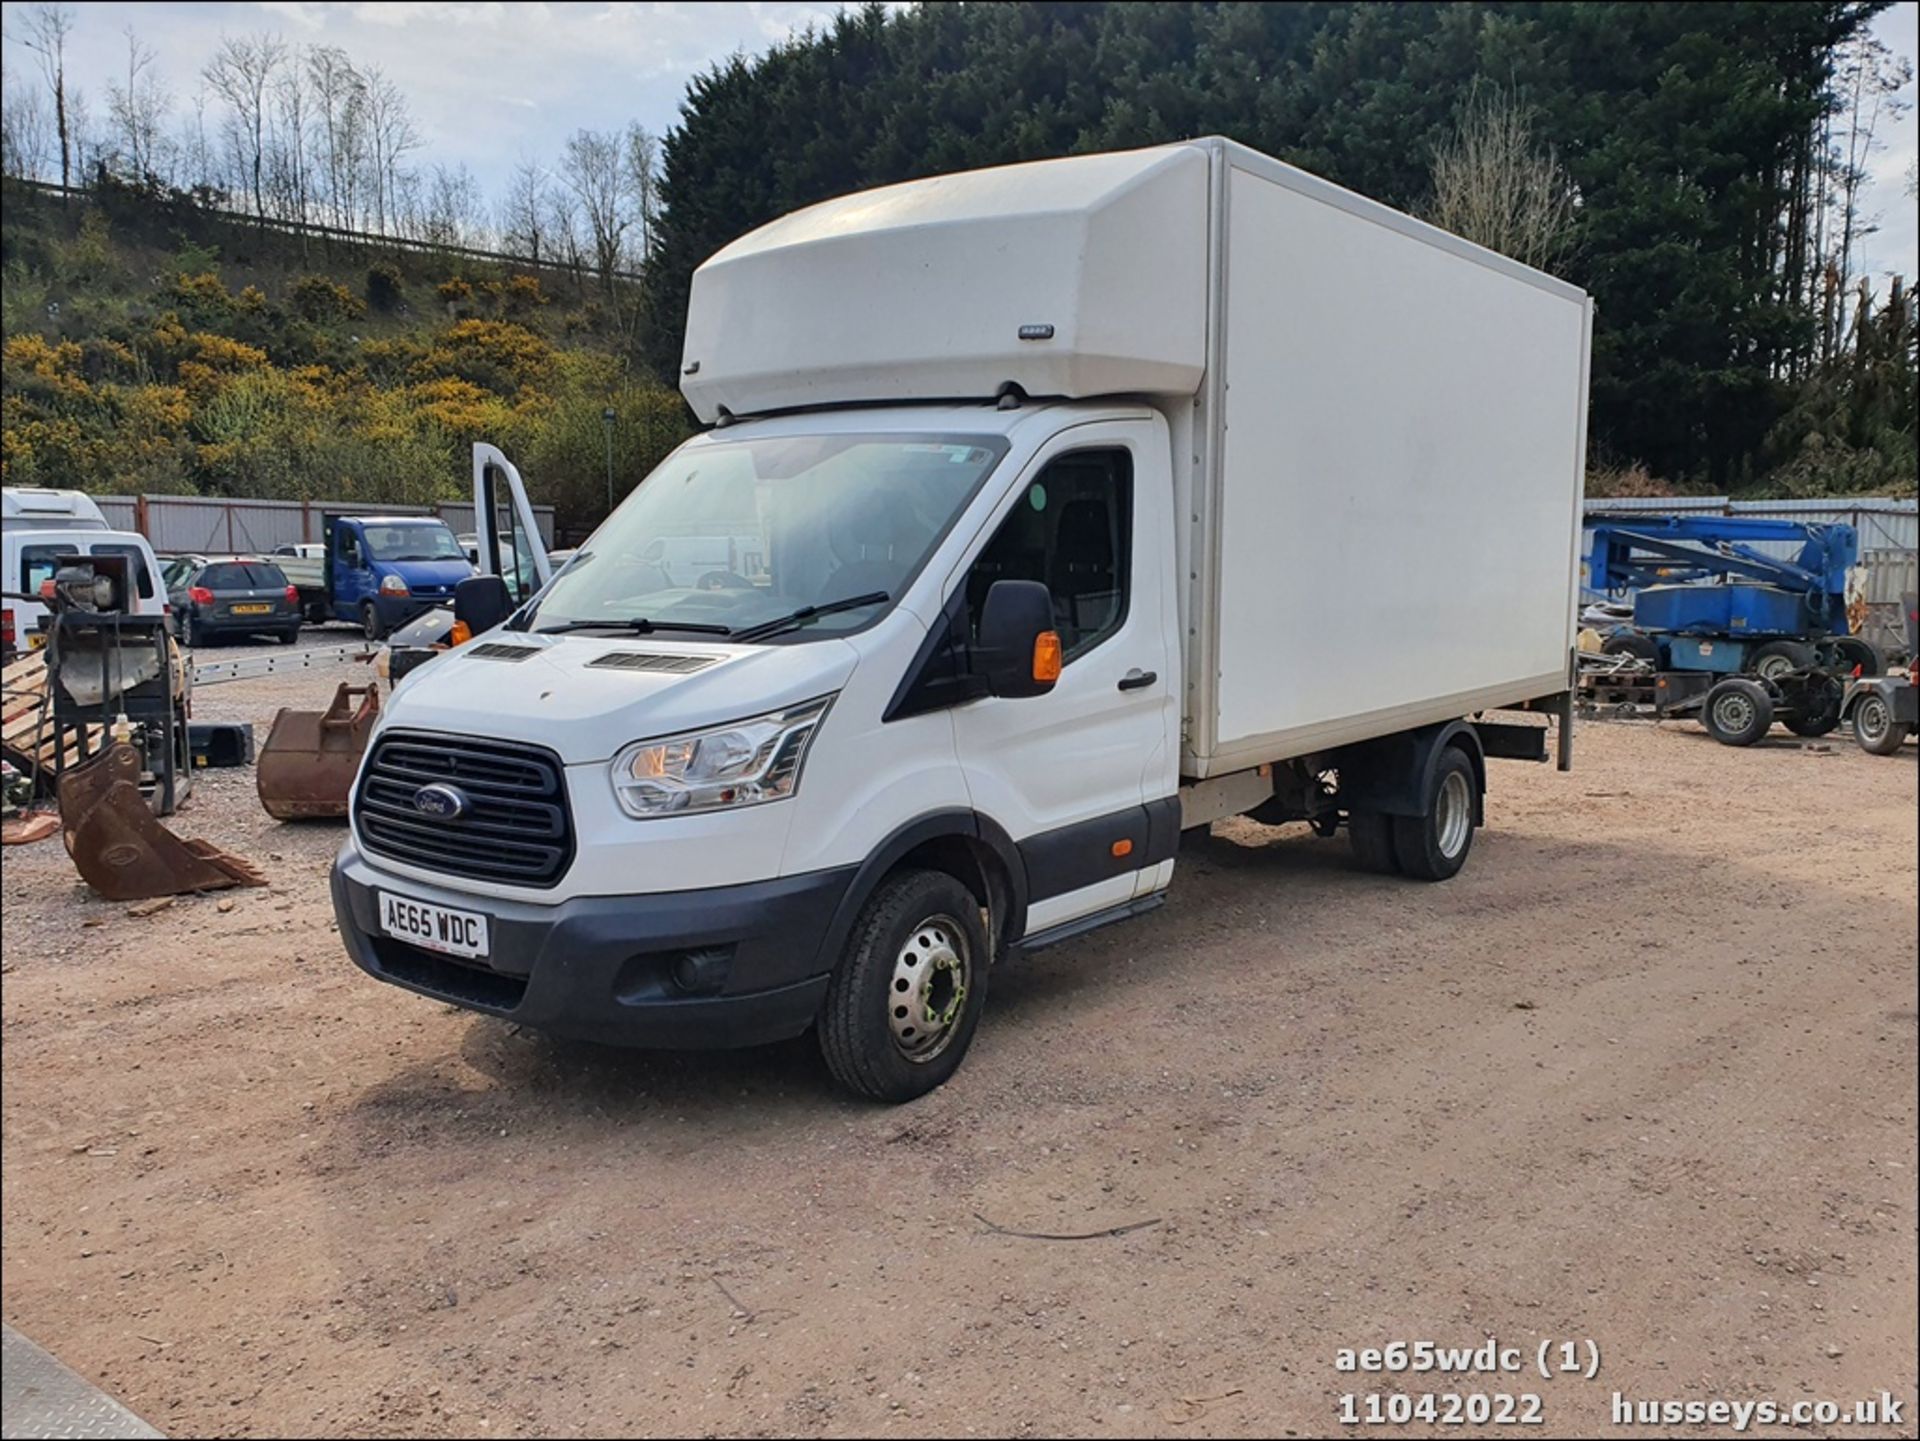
(1080, 925)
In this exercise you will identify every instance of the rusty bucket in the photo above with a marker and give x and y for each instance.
(306, 768)
(121, 850)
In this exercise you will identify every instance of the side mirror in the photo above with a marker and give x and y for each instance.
(1018, 651)
(480, 602)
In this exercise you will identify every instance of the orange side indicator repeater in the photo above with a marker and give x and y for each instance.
(1122, 848)
(462, 633)
(1046, 657)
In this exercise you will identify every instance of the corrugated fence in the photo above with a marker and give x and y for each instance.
(196, 523)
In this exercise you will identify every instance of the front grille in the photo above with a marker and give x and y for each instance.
(651, 660)
(517, 830)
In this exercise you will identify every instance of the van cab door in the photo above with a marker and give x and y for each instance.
(351, 582)
(1084, 778)
(509, 539)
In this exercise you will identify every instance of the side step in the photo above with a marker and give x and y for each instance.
(1068, 930)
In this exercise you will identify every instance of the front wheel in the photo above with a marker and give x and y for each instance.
(370, 622)
(1875, 730)
(902, 1006)
(1433, 846)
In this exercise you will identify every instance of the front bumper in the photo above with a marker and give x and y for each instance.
(601, 968)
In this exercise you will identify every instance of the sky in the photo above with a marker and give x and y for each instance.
(492, 84)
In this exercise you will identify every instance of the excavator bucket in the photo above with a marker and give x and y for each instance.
(121, 850)
(307, 766)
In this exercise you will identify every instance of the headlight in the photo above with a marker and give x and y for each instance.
(393, 585)
(743, 764)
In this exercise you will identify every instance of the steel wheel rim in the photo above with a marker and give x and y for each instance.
(1734, 712)
(1873, 719)
(1453, 814)
(932, 975)
(1773, 665)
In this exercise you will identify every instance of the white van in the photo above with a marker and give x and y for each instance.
(1089, 501)
(29, 556)
(27, 507)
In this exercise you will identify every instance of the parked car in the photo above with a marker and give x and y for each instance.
(233, 595)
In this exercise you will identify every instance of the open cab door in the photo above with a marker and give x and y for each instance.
(509, 541)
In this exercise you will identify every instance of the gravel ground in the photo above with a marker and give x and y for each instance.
(1645, 1073)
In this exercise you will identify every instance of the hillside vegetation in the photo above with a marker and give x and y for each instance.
(153, 347)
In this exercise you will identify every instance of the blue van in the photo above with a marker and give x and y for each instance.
(383, 570)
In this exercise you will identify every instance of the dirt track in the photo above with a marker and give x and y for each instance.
(1645, 1073)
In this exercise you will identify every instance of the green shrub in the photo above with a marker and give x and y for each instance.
(385, 288)
(319, 300)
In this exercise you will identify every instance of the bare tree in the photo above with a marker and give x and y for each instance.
(1869, 79)
(594, 170)
(452, 212)
(643, 184)
(1495, 184)
(196, 150)
(340, 106)
(25, 132)
(293, 171)
(523, 213)
(391, 130)
(241, 72)
(138, 110)
(563, 228)
(45, 34)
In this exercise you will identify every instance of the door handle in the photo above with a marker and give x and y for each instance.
(1137, 679)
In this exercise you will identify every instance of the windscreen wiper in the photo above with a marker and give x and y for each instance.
(807, 613)
(639, 625)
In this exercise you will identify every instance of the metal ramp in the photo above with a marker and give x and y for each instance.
(41, 1398)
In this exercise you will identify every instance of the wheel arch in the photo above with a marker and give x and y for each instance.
(970, 847)
(1393, 773)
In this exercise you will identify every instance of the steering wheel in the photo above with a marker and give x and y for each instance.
(723, 580)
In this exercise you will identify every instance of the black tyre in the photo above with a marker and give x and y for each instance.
(1817, 709)
(903, 1004)
(1777, 657)
(1631, 642)
(1433, 846)
(1875, 730)
(1372, 836)
(289, 636)
(196, 634)
(370, 622)
(1854, 656)
(1737, 712)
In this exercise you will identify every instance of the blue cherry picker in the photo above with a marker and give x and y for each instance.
(1733, 635)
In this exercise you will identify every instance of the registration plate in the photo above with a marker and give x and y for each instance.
(253, 610)
(434, 928)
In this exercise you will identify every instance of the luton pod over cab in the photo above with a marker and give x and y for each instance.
(1047, 511)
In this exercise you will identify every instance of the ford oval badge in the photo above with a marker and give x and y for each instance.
(442, 802)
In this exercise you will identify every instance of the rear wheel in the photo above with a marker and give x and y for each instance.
(1857, 657)
(289, 636)
(196, 634)
(1777, 657)
(1816, 709)
(1372, 836)
(1631, 642)
(1738, 711)
(902, 1006)
(1874, 728)
(1433, 846)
